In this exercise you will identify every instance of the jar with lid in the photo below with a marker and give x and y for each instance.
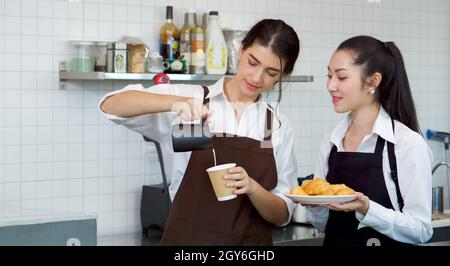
(100, 56)
(82, 59)
(117, 57)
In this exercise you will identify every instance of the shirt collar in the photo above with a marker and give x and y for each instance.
(216, 88)
(382, 127)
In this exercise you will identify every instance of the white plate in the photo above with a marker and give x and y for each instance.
(320, 199)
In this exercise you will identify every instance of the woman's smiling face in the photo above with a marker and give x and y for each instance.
(258, 70)
(344, 83)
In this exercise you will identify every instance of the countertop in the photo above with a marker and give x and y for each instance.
(46, 216)
(436, 244)
(40, 219)
(297, 234)
(292, 234)
(441, 220)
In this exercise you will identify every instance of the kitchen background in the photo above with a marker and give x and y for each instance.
(58, 155)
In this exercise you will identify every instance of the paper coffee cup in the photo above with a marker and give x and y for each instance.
(219, 184)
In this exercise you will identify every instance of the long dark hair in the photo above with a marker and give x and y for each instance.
(393, 92)
(280, 37)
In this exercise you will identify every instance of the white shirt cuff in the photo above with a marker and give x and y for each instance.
(375, 217)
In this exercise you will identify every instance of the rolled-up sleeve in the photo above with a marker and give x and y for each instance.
(155, 126)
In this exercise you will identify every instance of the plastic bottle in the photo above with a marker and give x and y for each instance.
(185, 37)
(216, 48)
(169, 36)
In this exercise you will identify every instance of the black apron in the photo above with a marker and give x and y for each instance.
(363, 172)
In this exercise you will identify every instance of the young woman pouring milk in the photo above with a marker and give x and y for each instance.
(256, 137)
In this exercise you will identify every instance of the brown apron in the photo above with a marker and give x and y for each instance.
(196, 216)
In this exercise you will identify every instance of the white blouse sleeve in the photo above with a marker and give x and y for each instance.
(155, 126)
(413, 224)
(318, 216)
(286, 162)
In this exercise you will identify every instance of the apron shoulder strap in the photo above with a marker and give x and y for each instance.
(330, 156)
(268, 125)
(333, 150)
(380, 146)
(393, 166)
(205, 93)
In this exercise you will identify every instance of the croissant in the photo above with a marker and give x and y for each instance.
(298, 190)
(337, 187)
(317, 186)
(345, 191)
(320, 187)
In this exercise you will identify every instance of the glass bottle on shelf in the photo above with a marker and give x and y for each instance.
(198, 56)
(185, 38)
(169, 36)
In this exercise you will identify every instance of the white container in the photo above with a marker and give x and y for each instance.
(216, 47)
(299, 214)
(83, 59)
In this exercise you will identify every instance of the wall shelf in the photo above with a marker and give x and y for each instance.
(65, 76)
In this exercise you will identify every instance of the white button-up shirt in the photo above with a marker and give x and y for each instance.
(251, 124)
(414, 158)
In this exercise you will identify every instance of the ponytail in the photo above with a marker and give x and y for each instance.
(399, 104)
(393, 92)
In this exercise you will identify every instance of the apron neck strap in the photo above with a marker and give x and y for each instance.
(392, 163)
(380, 146)
(394, 174)
(268, 125)
(205, 93)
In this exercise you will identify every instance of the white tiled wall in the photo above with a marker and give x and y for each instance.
(58, 155)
